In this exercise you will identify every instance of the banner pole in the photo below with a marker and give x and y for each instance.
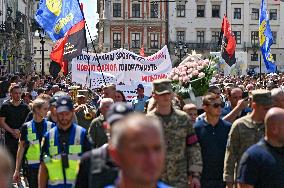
(260, 68)
(89, 33)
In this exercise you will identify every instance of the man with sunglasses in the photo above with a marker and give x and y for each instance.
(245, 132)
(212, 133)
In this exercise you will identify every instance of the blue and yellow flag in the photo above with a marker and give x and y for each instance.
(56, 17)
(266, 38)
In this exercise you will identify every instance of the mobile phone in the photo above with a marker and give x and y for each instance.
(245, 94)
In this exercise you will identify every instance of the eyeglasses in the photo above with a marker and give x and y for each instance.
(216, 105)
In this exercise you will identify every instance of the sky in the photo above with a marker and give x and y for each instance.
(91, 16)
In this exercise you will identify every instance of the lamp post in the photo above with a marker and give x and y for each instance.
(41, 36)
(180, 50)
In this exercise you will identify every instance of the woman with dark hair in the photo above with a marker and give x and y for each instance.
(119, 96)
(27, 97)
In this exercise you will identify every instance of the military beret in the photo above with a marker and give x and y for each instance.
(162, 86)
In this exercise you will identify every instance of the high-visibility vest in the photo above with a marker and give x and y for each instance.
(33, 152)
(53, 162)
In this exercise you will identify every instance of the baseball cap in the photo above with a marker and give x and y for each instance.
(140, 86)
(162, 86)
(262, 97)
(64, 104)
(117, 111)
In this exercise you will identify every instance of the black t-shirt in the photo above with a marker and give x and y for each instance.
(15, 116)
(39, 131)
(262, 166)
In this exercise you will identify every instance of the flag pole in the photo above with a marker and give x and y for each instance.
(260, 68)
(99, 64)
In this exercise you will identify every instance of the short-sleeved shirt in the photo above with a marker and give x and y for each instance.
(139, 103)
(262, 166)
(212, 140)
(15, 116)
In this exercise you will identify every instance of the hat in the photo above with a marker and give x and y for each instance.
(117, 111)
(55, 97)
(64, 104)
(162, 86)
(262, 97)
(140, 86)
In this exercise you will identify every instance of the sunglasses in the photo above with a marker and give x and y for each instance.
(216, 105)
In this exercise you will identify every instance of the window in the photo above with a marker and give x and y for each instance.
(274, 35)
(215, 36)
(200, 11)
(216, 11)
(274, 57)
(254, 37)
(237, 13)
(180, 36)
(273, 14)
(35, 50)
(200, 36)
(238, 37)
(154, 40)
(254, 14)
(135, 40)
(116, 9)
(136, 10)
(254, 57)
(116, 40)
(180, 10)
(154, 10)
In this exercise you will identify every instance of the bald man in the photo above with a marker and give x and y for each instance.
(262, 165)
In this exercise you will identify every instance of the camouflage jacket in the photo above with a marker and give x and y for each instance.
(182, 148)
(243, 134)
(97, 132)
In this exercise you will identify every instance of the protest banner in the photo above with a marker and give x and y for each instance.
(122, 66)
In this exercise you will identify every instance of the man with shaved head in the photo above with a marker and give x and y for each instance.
(262, 165)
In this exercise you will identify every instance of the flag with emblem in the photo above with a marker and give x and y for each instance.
(56, 17)
(228, 43)
(266, 38)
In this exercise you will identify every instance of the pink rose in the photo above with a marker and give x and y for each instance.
(206, 61)
(175, 78)
(184, 69)
(185, 79)
(195, 73)
(194, 65)
(183, 73)
(189, 70)
(199, 68)
(180, 79)
(201, 75)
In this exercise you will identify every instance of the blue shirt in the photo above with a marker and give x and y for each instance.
(139, 103)
(260, 166)
(213, 141)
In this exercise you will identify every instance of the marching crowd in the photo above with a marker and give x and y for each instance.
(60, 134)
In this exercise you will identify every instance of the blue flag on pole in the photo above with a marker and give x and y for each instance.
(266, 38)
(56, 17)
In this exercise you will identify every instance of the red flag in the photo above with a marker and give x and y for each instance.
(228, 43)
(142, 52)
(71, 45)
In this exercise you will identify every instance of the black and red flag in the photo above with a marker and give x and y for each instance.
(228, 43)
(70, 46)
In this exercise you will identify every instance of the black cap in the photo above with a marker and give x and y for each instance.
(117, 111)
(140, 86)
(64, 104)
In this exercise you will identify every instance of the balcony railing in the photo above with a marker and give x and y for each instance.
(212, 46)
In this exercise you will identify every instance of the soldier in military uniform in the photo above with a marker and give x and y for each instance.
(183, 159)
(97, 131)
(245, 132)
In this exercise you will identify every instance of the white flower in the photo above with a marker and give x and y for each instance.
(201, 75)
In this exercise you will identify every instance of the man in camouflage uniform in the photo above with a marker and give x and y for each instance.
(183, 155)
(98, 131)
(245, 132)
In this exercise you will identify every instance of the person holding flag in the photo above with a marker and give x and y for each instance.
(266, 38)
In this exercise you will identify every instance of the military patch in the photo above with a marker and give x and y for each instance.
(191, 140)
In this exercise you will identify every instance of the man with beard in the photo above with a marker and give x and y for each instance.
(62, 148)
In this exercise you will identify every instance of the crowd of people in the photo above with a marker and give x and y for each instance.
(62, 134)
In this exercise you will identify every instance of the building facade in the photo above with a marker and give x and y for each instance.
(132, 24)
(198, 23)
(15, 35)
